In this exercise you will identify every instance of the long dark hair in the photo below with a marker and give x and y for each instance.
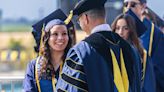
(44, 62)
(132, 31)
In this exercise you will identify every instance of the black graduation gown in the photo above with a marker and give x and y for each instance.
(88, 66)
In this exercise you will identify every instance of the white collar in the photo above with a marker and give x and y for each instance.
(102, 27)
(128, 0)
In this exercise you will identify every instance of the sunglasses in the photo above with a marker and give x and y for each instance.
(132, 4)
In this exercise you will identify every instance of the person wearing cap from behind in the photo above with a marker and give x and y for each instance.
(152, 40)
(102, 62)
(43, 72)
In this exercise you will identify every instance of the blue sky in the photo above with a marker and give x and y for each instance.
(157, 6)
(26, 8)
(29, 8)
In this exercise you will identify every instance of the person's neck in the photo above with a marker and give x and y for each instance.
(56, 59)
(96, 23)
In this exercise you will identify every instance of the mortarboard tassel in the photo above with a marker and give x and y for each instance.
(37, 61)
(123, 10)
(69, 17)
(41, 39)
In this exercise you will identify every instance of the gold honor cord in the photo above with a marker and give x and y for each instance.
(54, 80)
(36, 74)
(121, 82)
(144, 64)
(36, 66)
(151, 39)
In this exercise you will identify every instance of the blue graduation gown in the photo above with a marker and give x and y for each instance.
(149, 82)
(88, 66)
(29, 83)
(157, 54)
(144, 30)
(147, 76)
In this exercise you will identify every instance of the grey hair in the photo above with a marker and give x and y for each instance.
(96, 13)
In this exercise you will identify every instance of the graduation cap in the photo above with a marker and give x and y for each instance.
(85, 5)
(39, 26)
(140, 27)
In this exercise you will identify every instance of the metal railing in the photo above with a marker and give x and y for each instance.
(11, 83)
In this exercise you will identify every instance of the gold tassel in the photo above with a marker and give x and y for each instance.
(41, 39)
(123, 10)
(37, 61)
(69, 17)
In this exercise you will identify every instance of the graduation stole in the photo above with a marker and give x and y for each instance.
(120, 75)
(144, 65)
(54, 81)
(151, 39)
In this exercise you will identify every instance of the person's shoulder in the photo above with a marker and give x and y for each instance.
(81, 47)
(81, 44)
(78, 52)
(32, 63)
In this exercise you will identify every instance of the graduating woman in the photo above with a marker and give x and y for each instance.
(43, 72)
(124, 25)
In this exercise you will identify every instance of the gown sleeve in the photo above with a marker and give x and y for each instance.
(73, 78)
(29, 83)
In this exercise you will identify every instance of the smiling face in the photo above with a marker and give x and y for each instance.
(58, 38)
(122, 29)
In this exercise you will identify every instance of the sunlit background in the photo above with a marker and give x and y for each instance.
(17, 42)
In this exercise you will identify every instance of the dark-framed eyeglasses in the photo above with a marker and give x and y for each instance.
(77, 20)
(132, 4)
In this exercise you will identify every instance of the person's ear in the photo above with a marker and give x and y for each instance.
(87, 19)
(143, 7)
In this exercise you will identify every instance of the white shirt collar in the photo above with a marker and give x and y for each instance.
(128, 0)
(102, 27)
